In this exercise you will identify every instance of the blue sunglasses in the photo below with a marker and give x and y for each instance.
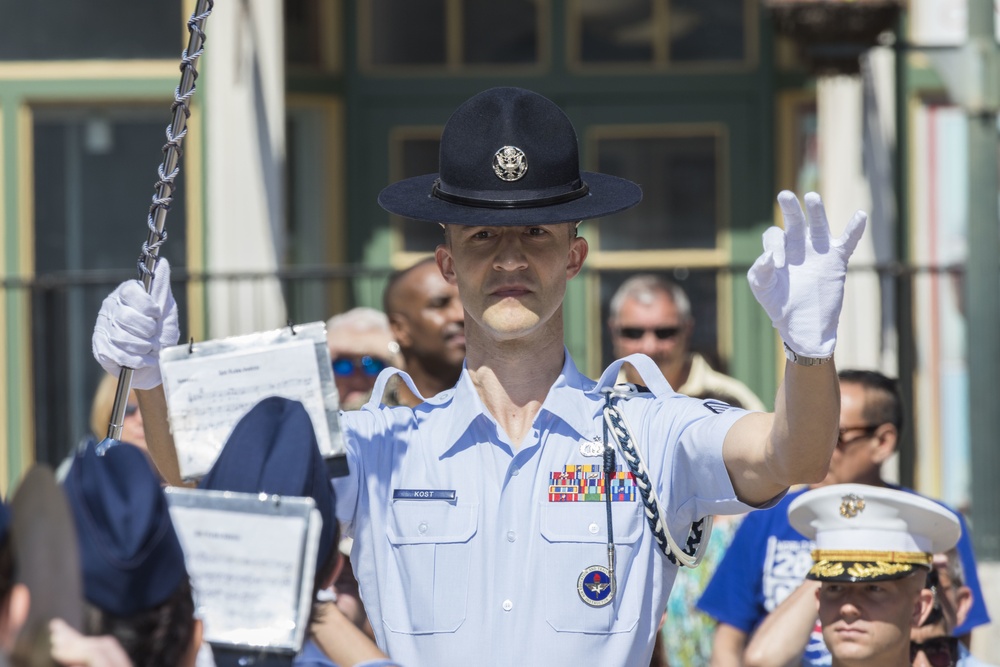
(371, 366)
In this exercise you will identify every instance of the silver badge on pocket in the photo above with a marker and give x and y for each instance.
(596, 586)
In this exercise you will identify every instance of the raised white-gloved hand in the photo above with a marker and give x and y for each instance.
(133, 327)
(799, 280)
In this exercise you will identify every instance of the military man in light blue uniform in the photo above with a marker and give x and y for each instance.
(528, 516)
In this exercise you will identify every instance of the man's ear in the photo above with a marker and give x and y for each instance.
(922, 607)
(964, 597)
(400, 327)
(578, 251)
(885, 443)
(446, 263)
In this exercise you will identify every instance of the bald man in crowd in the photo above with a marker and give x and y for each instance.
(428, 322)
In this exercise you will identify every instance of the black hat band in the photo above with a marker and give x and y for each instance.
(525, 198)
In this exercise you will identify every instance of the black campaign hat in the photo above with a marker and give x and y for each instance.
(509, 157)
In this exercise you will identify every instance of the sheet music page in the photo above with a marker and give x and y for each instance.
(246, 571)
(208, 394)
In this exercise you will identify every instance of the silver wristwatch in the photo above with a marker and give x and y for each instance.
(804, 361)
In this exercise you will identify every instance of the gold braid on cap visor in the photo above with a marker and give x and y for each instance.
(865, 564)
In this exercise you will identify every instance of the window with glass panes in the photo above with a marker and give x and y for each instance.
(414, 152)
(94, 169)
(677, 231)
(451, 34)
(660, 33)
(74, 30)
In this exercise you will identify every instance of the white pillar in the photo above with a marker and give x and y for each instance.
(844, 191)
(245, 146)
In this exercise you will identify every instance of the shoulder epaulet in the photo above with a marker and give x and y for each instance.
(383, 378)
(656, 384)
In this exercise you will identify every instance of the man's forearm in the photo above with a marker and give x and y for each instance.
(727, 646)
(766, 453)
(153, 407)
(806, 421)
(781, 638)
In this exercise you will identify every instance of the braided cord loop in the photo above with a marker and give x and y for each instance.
(176, 131)
(697, 538)
(165, 187)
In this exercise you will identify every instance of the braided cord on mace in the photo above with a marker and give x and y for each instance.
(165, 188)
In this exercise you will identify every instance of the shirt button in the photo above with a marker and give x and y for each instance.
(594, 528)
(422, 528)
(507, 605)
(511, 536)
(514, 470)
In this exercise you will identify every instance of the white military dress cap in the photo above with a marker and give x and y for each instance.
(870, 533)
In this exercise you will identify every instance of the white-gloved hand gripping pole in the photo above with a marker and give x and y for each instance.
(131, 324)
(134, 326)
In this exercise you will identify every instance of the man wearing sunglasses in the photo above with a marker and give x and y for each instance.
(933, 644)
(652, 316)
(361, 345)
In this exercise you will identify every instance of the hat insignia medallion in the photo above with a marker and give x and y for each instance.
(851, 505)
(510, 164)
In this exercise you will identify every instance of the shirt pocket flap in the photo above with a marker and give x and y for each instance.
(431, 522)
(588, 522)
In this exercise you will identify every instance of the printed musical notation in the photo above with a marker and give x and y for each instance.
(246, 571)
(207, 395)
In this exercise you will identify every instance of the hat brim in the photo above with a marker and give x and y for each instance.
(412, 198)
(858, 571)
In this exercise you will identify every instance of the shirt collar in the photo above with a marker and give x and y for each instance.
(562, 402)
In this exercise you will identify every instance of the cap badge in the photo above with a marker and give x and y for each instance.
(851, 505)
(509, 163)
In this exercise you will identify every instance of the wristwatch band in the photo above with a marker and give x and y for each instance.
(798, 359)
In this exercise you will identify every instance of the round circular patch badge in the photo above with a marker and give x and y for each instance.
(595, 586)
(510, 164)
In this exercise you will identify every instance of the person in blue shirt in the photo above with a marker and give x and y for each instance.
(530, 515)
(759, 594)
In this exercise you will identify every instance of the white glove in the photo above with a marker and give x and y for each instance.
(799, 280)
(133, 327)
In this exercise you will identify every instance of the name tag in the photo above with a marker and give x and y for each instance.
(424, 494)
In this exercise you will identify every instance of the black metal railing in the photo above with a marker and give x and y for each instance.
(62, 308)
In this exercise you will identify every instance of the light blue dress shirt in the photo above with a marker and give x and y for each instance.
(966, 659)
(461, 556)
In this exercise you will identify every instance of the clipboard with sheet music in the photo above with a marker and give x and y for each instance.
(210, 385)
(252, 563)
